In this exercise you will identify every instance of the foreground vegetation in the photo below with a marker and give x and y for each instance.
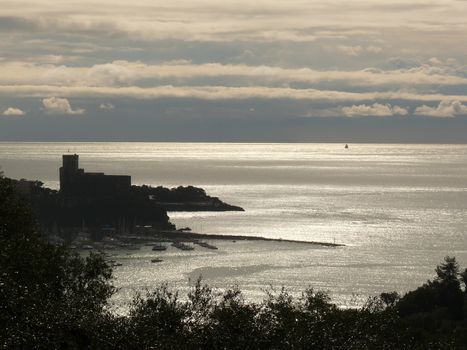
(51, 298)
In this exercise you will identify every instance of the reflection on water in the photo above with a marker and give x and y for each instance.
(399, 209)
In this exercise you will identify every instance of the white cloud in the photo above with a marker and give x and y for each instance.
(115, 73)
(445, 109)
(106, 106)
(125, 73)
(397, 110)
(358, 50)
(351, 50)
(220, 93)
(435, 61)
(244, 20)
(374, 110)
(13, 111)
(374, 49)
(56, 105)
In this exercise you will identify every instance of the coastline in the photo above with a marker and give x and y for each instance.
(194, 236)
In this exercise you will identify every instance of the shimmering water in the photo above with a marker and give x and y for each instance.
(399, 209)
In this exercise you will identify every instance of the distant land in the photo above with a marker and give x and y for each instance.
(104, 204)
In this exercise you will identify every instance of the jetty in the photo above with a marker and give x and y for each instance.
(194, 237)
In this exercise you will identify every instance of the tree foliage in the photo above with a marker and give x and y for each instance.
(49, 297)
(448, 271)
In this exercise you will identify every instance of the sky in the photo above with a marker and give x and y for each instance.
(235, 71)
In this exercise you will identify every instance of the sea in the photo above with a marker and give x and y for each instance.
(397, 209)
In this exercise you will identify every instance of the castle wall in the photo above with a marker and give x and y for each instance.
(75, 182)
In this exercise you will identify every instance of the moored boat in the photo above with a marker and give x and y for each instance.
(182, 246)
(207, 245)
(159, 247)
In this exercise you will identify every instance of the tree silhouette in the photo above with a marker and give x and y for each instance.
(448, 272)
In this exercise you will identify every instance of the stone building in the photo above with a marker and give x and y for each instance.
(75, 182)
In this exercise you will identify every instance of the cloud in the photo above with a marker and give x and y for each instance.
(56, 105)
(221, 93)
(374, 110)
(445, 109)
(125, 73)
(401, 63)
(435, 61)
(374, 49)
(212, 20)
(351, 50)
(13, 111)
(358, 50)
(106, 106)
(115, 73)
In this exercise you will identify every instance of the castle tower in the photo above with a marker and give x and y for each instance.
(68, 171)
